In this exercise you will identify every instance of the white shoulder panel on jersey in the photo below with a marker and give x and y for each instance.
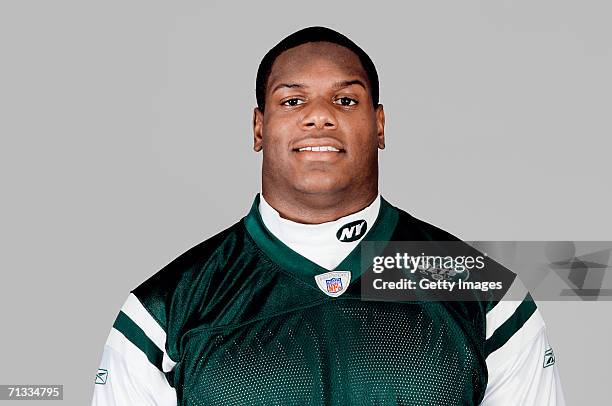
(130, 379)
(524, 373)
(127, 375)
(520, 362)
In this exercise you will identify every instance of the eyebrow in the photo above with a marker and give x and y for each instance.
(347, 83)
(337, 85)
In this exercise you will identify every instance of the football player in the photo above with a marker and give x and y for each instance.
(269, 311)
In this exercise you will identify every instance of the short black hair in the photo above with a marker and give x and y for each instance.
(303, 36)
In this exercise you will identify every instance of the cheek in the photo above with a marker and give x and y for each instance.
(363, 138)
(276, 143)
(277, 130)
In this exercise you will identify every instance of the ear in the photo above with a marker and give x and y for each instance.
(257, 130)
(380, 126)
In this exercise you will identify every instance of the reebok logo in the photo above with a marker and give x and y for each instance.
(352, 231)
(549, 358)
(101, 376)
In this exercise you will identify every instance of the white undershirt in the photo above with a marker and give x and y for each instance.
(317, 242)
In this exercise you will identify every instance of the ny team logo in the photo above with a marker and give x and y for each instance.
(352, 231)
(334, 285)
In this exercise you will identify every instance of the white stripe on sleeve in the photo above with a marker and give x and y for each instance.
(134, 309)
(506, 307)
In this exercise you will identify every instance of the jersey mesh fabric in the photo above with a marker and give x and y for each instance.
(247, 325)
(338, 352)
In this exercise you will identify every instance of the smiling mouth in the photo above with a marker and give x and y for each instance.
(322, 148)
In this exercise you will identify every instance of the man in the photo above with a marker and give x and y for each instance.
(269, 311)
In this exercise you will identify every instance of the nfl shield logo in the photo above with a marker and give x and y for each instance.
(334, 285)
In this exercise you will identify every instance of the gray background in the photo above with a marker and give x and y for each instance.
(125, 140)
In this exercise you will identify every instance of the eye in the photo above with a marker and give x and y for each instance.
(346, 101)
(292, 102)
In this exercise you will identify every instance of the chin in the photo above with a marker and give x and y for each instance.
(319, 184)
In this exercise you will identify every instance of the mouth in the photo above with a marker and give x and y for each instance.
(324, 146)
(319, 148)
(322, 152)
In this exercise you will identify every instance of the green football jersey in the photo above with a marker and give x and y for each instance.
(239, 320)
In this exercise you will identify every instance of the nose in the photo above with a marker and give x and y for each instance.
(318, 115)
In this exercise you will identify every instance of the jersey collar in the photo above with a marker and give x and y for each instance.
(326, 244)
(302, 267)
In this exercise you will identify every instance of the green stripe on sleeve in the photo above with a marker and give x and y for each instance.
(511, 326)
(138, 337)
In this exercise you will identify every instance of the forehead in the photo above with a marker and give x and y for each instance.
(322, 57)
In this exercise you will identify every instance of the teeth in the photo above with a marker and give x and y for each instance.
(320, 149)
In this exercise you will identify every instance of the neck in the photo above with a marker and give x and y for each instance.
(316, 208)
